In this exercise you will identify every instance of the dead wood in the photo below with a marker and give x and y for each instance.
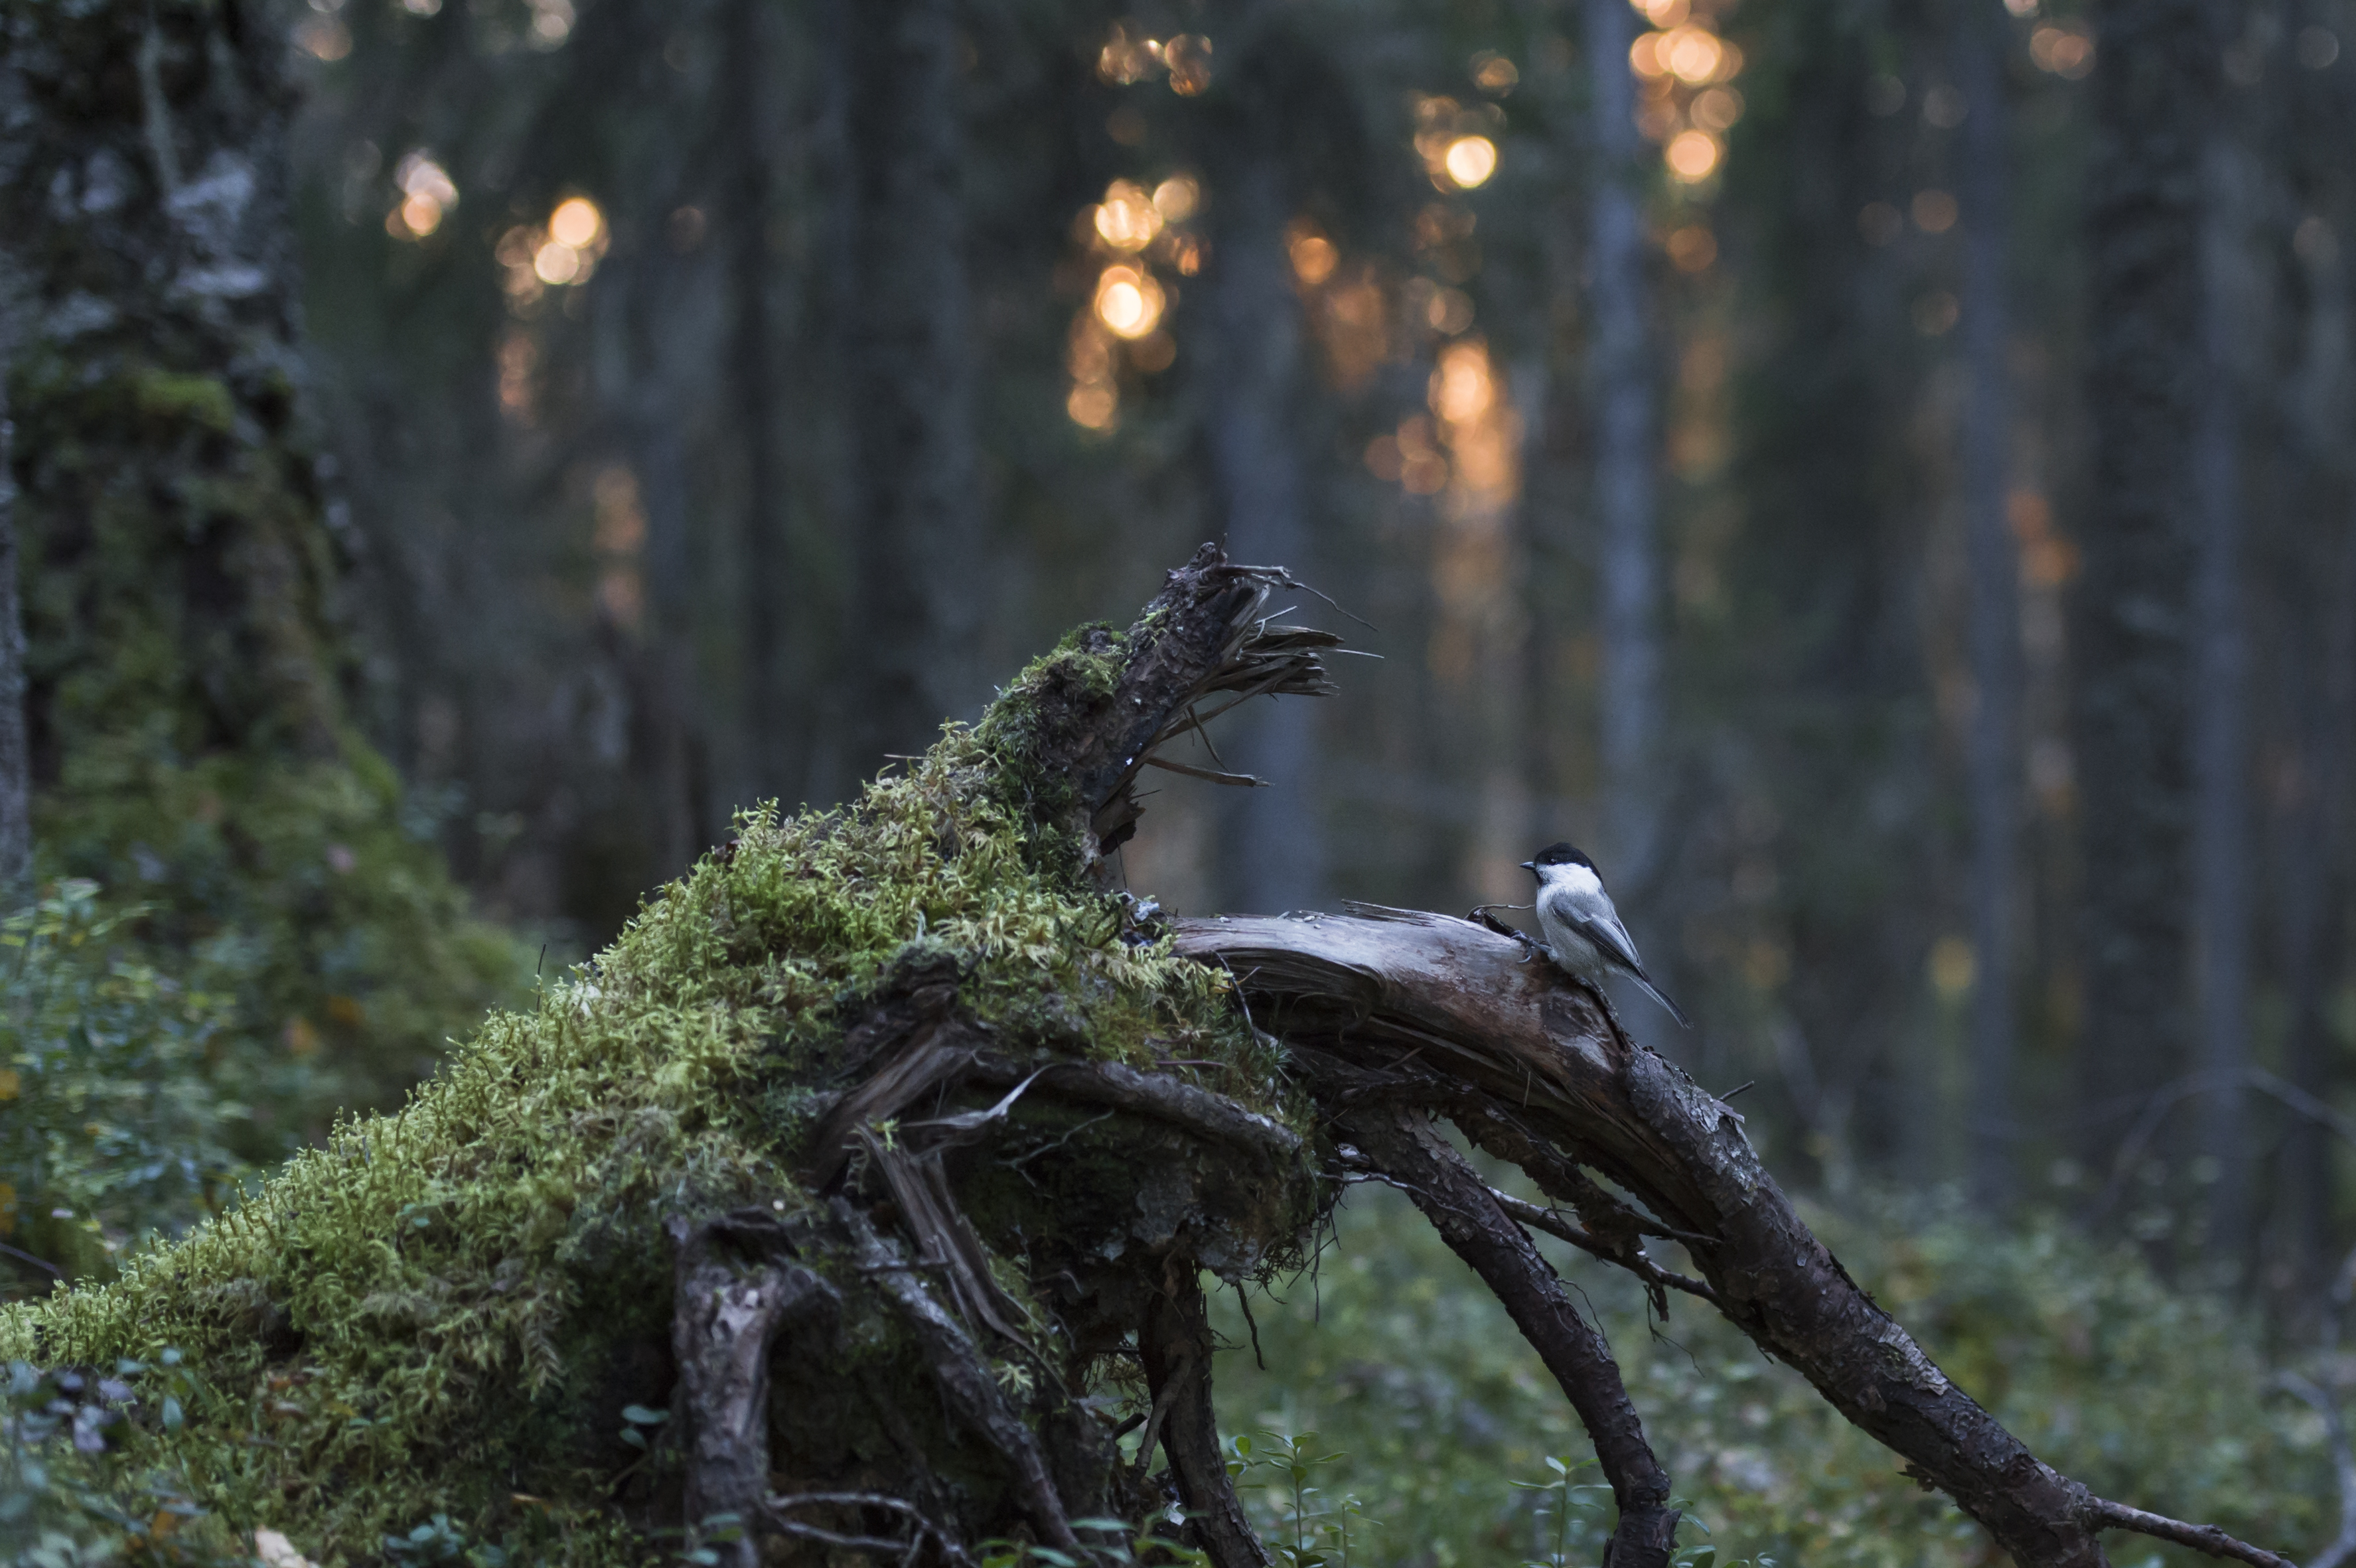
(737, 1289)
(1176, 1343)
(1476, 1227)
(1371, 1004)
(958, 1366)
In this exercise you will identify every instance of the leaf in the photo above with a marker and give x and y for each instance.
(640, 1415)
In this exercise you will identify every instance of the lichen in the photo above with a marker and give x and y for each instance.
(445, 1310)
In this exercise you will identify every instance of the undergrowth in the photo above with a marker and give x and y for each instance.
(1435, 1419)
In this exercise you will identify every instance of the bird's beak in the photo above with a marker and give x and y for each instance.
(1529, 865)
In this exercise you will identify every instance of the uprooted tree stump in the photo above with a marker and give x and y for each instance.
(858, 1198)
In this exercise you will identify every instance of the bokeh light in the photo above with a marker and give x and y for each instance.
(576, 223)
(427, 192)
(1126, 219)
(1470, 160)
(1692, 155)
(1176, 198)
(1128, 301)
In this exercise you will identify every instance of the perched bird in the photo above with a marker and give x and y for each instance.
(1583, 933)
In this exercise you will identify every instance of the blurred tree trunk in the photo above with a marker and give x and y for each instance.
(1995, 636)
(1627, 449)
(16, 765)
(1272, 844)
(2231, 322)
(2316, 578)
(2152, 97)
(755, 372)
(914, 519)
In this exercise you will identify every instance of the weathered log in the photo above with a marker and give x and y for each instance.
(1438, 1009)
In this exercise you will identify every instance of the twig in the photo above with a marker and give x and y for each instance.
(2103, 1514)
(1241, 781)
(1552, 1221)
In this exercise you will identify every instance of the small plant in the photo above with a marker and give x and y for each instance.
(1316, 1533)
(1558, 1502)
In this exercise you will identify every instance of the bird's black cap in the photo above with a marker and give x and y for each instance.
(1560, 854)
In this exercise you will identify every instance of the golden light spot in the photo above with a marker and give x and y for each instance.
(1126, 219)
(1312, 255)
(1128, 301)
(575, 222)
(1934, 211)
(1493, 74)
(1424, 473)
(1953, 967)
(1447, 311)
(2030, 513)
(1461, 389)
(1176, 198)
(556, 262)
(1188, 60)
(1692, 155)
(1663, 13)
(621, 528)
(1187, 254)
(1692, 248)
(1382, 458)
(1692, 55)
(2021, 7)
(419, 216)
(1470, 160)
(1645, 57)
(1717, 109)
(427, 192)
(2066, 52)
(1128, 57)
(1093, 404)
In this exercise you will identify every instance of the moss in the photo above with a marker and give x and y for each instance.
(447, 1308)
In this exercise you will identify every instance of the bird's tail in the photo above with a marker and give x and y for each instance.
(1661, 996)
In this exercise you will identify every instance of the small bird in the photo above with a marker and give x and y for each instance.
(1583, 933)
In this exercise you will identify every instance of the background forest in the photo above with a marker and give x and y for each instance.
(1876, 472)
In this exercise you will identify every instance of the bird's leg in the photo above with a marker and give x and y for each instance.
(1531, 946)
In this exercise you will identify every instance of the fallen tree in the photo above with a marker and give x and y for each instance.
(858, 1198)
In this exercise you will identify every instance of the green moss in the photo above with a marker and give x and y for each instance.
(437, 1311)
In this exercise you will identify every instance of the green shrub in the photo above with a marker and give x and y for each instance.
(121, 1088)
(1392, 1355)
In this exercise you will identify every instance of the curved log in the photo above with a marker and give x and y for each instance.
(1445, 1013)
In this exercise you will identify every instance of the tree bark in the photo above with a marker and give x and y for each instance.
(1994, 745)
(913, 519)
(16, 763)
(2152, 95)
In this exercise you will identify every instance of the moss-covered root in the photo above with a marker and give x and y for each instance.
(970, 1089)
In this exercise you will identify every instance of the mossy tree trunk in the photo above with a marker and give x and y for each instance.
(192, 742)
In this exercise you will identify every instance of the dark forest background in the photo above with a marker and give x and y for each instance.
(1876, 472)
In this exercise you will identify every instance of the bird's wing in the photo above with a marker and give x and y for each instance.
(1600, 924)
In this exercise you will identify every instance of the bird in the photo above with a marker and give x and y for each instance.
(1583, 933)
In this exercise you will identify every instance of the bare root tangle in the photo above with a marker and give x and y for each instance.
(1368, 1003)
(1176, 1342)
(958, 1367)
(1466, 1213)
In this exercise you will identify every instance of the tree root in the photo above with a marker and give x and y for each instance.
(737, 1288)
(1176, 1344)
(1461, 1206)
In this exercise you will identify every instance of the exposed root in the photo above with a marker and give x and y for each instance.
(1175, 1341)
(1464, 1211)
(972, 1396)
(737, 1288)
